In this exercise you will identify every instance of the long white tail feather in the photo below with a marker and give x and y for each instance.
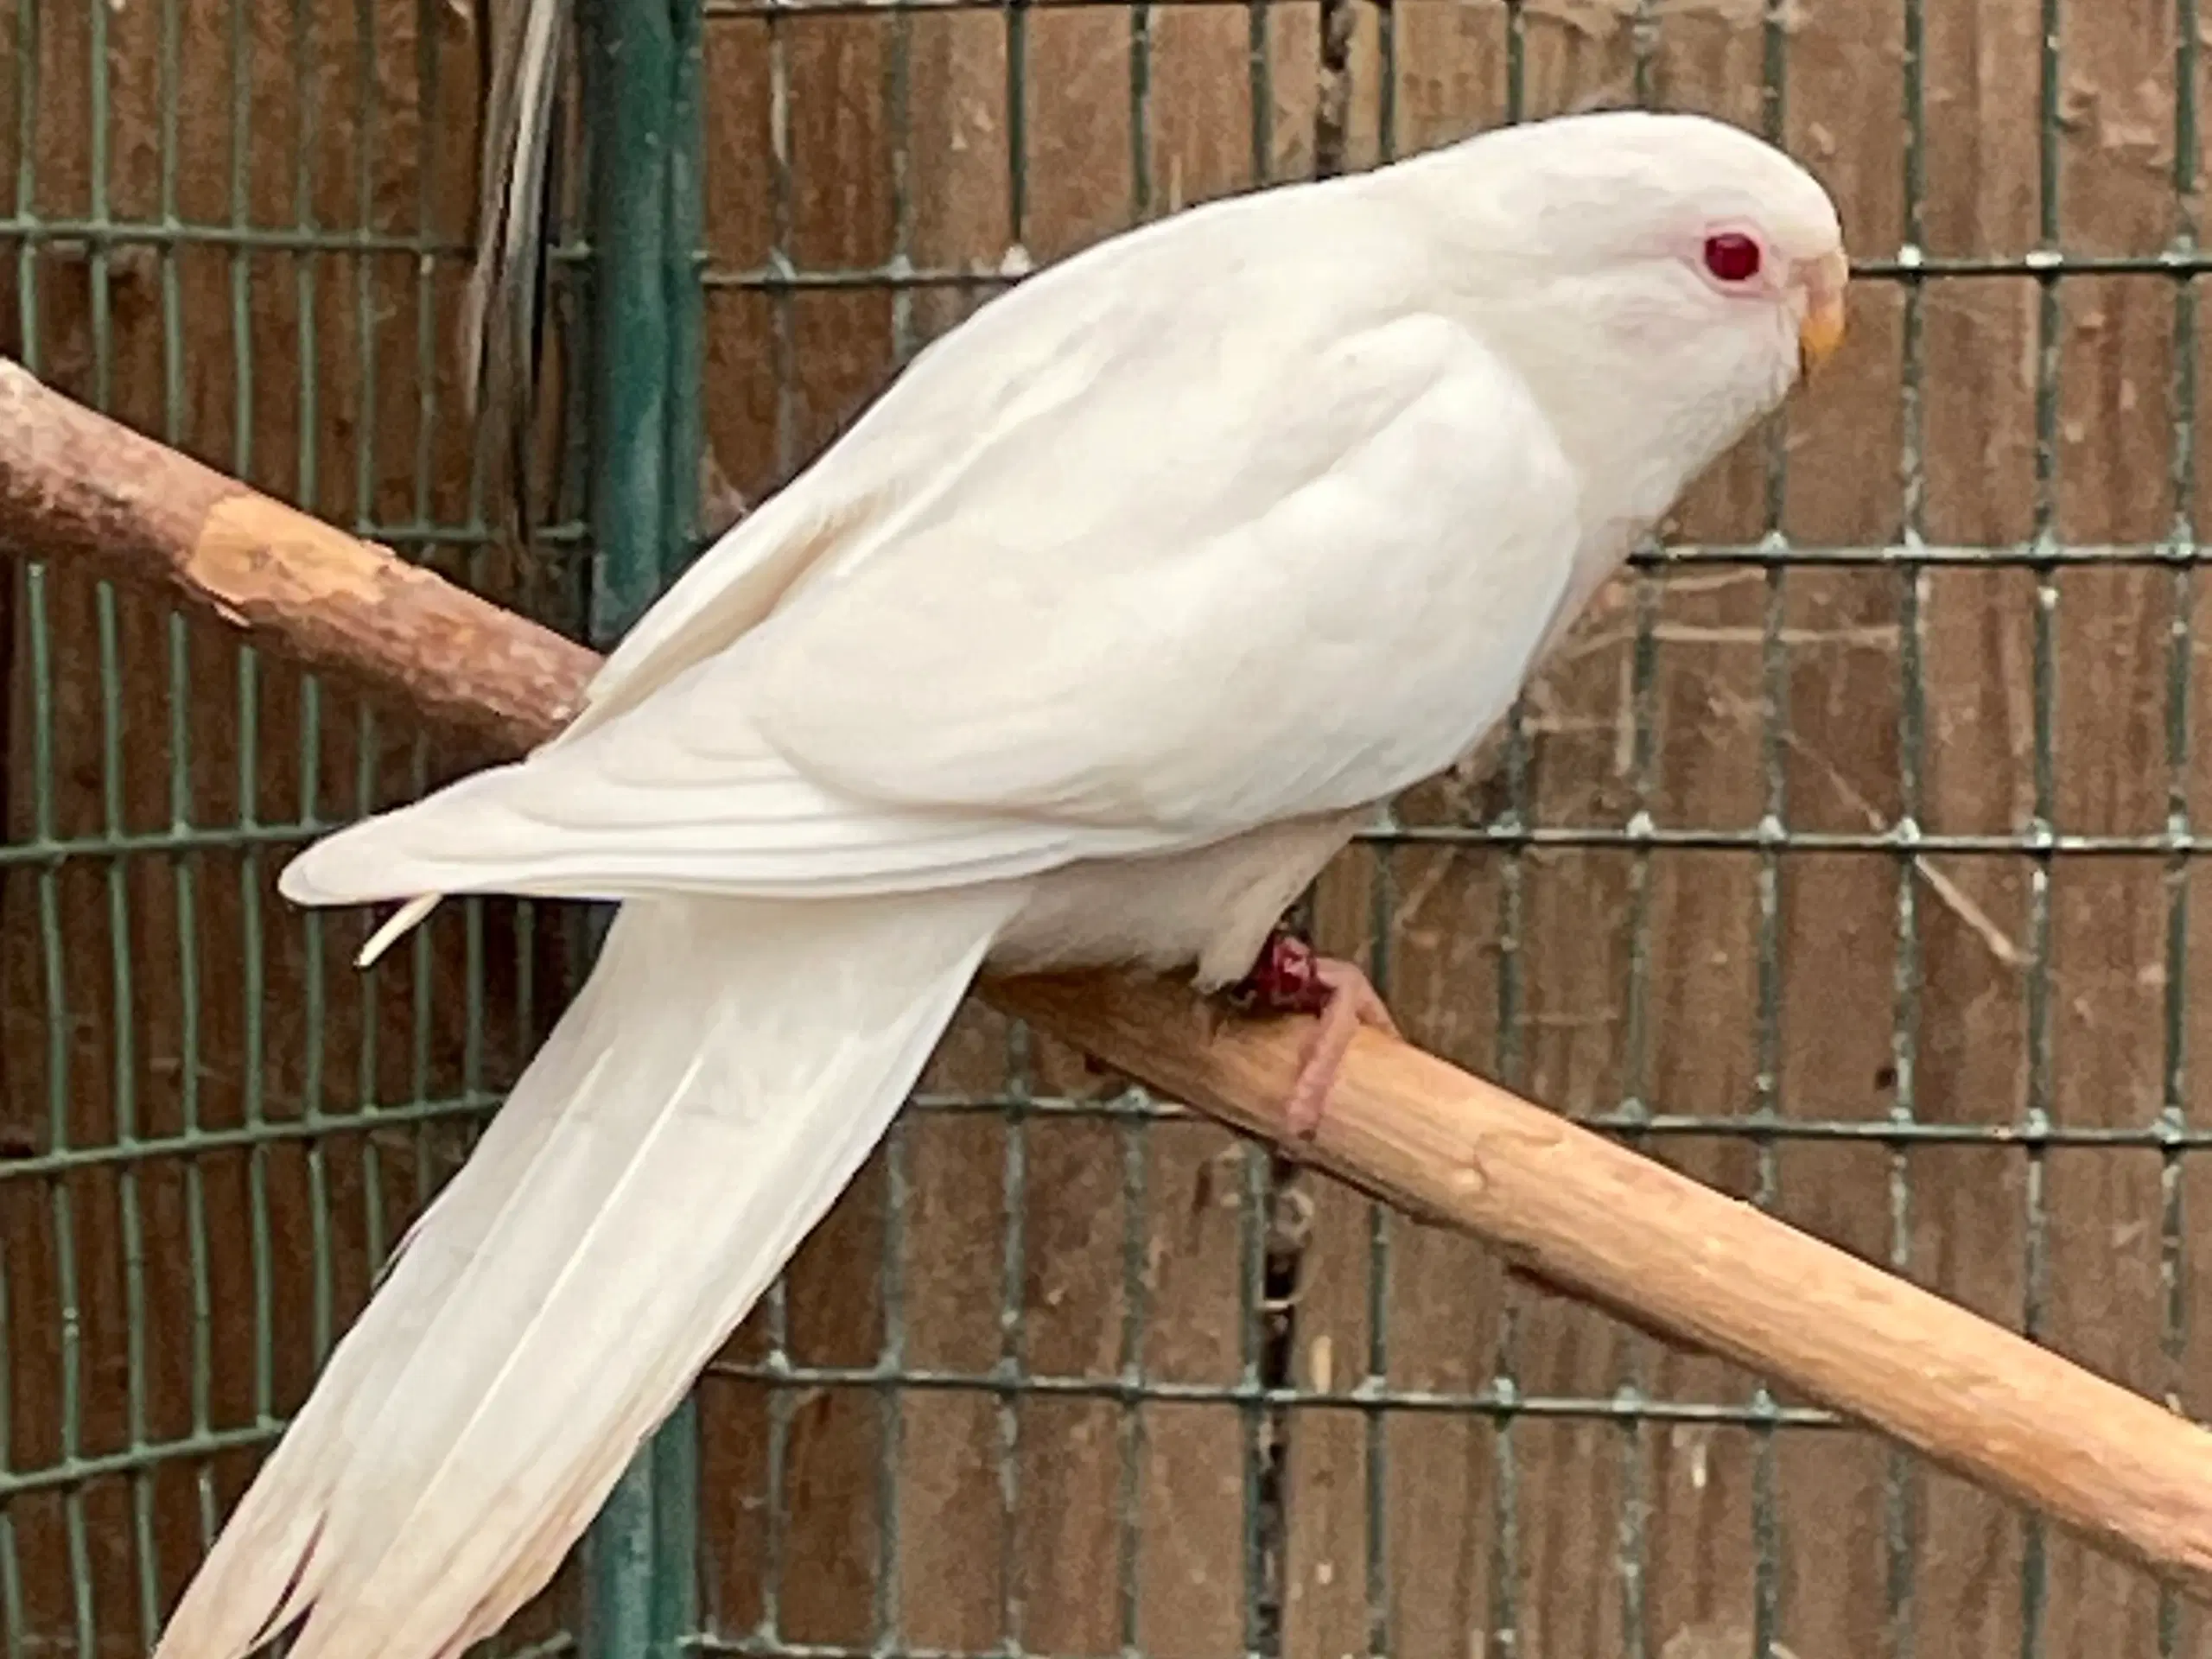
(721, 1078)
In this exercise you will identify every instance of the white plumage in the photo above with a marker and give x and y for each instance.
(1090, 643)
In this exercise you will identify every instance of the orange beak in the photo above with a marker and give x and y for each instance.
(1824, 281)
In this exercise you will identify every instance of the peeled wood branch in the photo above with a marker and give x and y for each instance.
(1564, 1205)
(78, 490)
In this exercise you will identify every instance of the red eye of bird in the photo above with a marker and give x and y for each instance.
(1732, 257)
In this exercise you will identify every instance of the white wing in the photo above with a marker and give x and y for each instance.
(1083, 325)
(1338, 610)
(1209, 566)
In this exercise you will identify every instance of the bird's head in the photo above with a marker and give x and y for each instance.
(1663, 280)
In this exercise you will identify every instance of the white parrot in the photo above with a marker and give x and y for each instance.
(1089, 643)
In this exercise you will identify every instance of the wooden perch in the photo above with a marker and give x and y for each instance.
(1565, 1205)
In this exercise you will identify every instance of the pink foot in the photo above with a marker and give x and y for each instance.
(1290, 977)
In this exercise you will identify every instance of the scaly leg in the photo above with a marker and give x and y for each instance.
(1290, 977)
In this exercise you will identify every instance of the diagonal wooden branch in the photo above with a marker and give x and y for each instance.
(1565, 1205)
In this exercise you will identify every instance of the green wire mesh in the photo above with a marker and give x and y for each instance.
(1846, 861)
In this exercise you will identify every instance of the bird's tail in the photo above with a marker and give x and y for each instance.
(721, 1076)
(502, 320)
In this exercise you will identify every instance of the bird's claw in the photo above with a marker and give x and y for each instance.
(1292, 978)
(1287, 979)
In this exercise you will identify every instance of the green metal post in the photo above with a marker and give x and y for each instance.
(641, 92)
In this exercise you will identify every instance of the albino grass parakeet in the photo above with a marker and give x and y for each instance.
(1089, 643)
